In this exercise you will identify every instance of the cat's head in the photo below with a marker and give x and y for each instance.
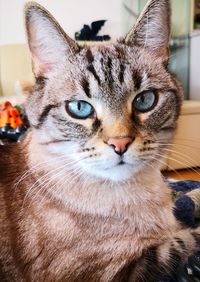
(110, 107)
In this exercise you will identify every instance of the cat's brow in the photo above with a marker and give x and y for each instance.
(86, 86)
(137, 79)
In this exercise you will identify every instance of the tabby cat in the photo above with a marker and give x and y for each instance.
(81, 196)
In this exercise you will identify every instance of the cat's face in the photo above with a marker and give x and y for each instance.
(110, 107)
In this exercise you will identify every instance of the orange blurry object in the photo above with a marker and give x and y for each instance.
(9, 116)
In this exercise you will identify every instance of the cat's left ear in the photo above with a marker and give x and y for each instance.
(48, 43)
(152, 29)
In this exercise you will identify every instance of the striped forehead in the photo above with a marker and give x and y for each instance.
(108, 75)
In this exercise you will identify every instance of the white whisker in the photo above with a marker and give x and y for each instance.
(44, 178)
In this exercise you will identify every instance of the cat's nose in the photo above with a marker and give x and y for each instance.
(120, 144)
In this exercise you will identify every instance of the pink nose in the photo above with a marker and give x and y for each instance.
(120, 144)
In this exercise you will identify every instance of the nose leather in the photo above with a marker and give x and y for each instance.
(120, 144)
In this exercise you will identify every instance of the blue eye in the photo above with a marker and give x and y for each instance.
(145, 101)
(79, 109)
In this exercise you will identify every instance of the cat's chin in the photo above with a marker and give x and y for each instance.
(118, 173)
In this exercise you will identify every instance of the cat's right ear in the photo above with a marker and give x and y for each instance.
(48, 43)
(152, 29)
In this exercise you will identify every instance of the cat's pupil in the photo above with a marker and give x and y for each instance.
(142, 98)
(79, 106)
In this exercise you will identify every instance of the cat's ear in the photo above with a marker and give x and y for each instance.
(152, 29)
(48, 43)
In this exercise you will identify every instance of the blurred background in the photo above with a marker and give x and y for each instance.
(120, 15)
(71, 14)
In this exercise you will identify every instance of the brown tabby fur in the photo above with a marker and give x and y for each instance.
(69, 210)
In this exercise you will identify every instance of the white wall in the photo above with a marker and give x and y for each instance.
(71, 14)
(194, 69)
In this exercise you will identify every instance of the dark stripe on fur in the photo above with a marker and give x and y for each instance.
(181, 243)
(89, 56)
(93, 71)
(137, 79)
(120, 52)
(59, 119)
(44, 114)
(109, 63)
(136, 119)
(155, 268)
(152, 265)
(96, 125)
(32, 261)
(121, 73)
(197, 239)
(146, 268)
(55, 141)
(175, 260)
(40, 83)
(111, 80)
(125, 273)
(40, 80)
(86, 87)
(163, 126)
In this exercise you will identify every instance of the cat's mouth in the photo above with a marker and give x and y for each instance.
(121, 163)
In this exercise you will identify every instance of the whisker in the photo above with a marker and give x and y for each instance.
(187, 139)
(180, 154)
(37, 167)
(180, 162)
(50, 188)
(188, 163)
(38, 181)
(31, 169)
(162, 163)
(178, 144)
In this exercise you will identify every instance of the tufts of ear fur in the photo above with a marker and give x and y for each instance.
(152, 29)
(48, 43)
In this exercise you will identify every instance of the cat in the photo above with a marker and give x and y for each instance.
(81, 196)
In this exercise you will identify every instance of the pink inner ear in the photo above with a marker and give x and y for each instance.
(44, 56)
(39, 68)
(48, 43)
